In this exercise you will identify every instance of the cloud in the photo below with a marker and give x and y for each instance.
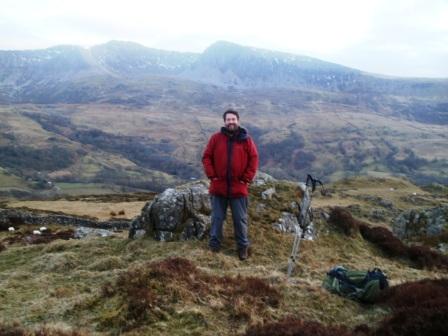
(407, 38)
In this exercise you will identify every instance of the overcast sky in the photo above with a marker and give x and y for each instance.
(401, 38)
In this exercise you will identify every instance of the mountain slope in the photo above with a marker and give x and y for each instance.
(86, 109)
(223, 63)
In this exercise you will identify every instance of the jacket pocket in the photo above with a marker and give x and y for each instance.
(239, 188)
(218, 186)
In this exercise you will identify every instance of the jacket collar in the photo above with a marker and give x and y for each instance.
(240, 135)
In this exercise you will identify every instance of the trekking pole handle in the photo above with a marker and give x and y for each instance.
(313, 181)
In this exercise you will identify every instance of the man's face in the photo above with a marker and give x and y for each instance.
(231, 122)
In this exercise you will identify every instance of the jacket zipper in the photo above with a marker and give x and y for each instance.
(229, 166)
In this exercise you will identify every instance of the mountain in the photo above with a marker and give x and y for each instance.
(134, 60)
(224, 64)
(69, 73)
(123, 114)
(230, 64)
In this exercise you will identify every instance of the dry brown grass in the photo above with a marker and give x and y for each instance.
(149, 292)
(100, 210)
(15, 329)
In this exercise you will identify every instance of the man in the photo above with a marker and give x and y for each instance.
(230, 162)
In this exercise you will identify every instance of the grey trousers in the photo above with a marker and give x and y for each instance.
(239, 216)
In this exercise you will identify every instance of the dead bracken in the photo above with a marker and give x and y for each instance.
(421, 256)
(419, 308)
(150, 290)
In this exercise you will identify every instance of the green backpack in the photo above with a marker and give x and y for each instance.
(357, 285)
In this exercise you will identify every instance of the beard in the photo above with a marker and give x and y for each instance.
(232, 127)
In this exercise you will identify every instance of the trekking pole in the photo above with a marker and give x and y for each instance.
(304, 219)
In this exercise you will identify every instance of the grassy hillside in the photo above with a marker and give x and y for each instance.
(153, 146)
(104, 286)
(37, 161)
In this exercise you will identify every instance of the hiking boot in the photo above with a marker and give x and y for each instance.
(243, 253)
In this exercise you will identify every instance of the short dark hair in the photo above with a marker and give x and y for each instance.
(231, 111)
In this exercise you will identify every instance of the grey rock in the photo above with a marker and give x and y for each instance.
(324, 215)
(262, 179)
(443, 247)
(386, 203)
(179, 213)
(260, 207)
(424, 222)
(136, 224)
(268, 193)
(288, 223)
(194, 227)
(139, 233)
(293, 206)
(164, 235)
(84, 232)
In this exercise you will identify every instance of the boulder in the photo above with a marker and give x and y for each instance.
(422, 222)
(179, 213)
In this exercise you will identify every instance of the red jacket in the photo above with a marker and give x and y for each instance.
(230, 162)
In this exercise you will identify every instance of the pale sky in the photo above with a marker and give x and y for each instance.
(400, 38)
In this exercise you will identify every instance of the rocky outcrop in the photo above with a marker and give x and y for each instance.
(418, 223)
(17, 217)
(176, 214)
(86, 232)
(288, 223)
(262, 179)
